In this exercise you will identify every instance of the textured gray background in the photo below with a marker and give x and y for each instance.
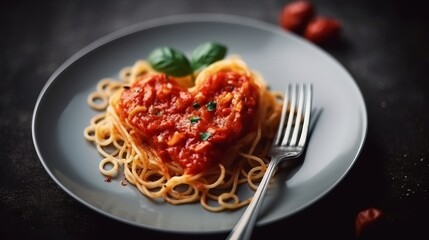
(383, 44)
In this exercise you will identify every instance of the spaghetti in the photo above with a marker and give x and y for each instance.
(189, 139)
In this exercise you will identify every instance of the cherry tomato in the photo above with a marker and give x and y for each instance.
(295, 16)
(322, 29)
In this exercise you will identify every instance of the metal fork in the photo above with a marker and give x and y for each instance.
(289, 143)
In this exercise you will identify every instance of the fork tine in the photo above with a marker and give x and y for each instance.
(298, 118)
(305, 124)
(292, 95)
(282, 118)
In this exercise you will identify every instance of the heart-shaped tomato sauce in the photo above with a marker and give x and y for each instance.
(193, 127)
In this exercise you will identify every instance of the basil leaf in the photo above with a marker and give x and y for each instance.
(169, 61)
(194, 119)
(205, 135)
(196, 105)
(211, 106)
(206, 54)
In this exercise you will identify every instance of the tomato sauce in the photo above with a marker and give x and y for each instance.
(192, 129)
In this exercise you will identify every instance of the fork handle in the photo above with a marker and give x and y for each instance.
(243, 228)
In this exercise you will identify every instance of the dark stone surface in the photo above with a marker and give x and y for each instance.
(384, 45)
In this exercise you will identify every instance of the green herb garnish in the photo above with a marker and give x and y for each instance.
(175, 63)
(205, 135)
(196, 105)
(170, 61)
(206, 54)
(211, 106)
(194, 119)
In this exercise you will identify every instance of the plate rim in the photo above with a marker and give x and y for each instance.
(192, 18)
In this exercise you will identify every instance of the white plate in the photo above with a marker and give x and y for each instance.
(61, 114)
